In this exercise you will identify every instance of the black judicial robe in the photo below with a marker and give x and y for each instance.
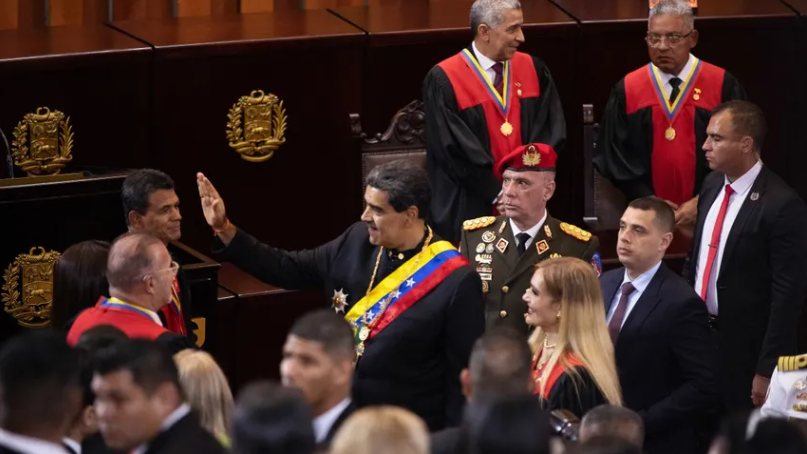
(463, 132)
(565, 391)
(415, 362)
(633, 150)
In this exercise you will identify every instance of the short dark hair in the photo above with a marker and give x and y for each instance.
(500, 365)
(130, 260)
(89, 344)
(150, 363)
(405, 183)
(747, 119)
(664, 214)
(269, 418)
(513, 425)
(330, 330)
(79, 279)
(38, 371)
(611, 420)
(609, 445)
(138, 187)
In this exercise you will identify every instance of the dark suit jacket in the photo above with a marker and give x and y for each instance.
(445, 441)
(665, 355)
(4, 450)
(185, 437)
(326, 443)
(415, 362)
(761, 283)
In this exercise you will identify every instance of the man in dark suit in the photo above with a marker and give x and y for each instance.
(414, 303)
(40, 393)
(500, 367)
(664, 351)
(139, 402)
(318, 360)
(747, 258)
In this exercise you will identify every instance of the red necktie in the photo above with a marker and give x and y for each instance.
(619, 313)
(498, 82)
(710, 260)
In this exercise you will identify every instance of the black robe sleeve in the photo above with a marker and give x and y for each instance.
(542, 118)
(296, 270)
(613, 158)
(451, 143)
(578, 395)
(732, 90)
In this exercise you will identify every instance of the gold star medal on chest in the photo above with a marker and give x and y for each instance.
(506, 128)
(669, 134)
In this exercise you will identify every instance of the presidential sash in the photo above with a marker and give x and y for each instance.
(404, 287)
(114, 303)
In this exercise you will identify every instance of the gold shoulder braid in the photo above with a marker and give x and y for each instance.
(575, 232)
(791, 363)
(478, 223)
(364, 331)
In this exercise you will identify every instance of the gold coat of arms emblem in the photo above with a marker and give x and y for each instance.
(30, 302)
(43, 142)
(256, 126)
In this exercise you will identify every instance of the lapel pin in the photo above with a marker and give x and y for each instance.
(754, 196)
(542, 246)
(548, 231)
(488, 236)
(502, 245)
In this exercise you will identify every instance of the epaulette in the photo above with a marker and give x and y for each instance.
(791, 363)
(478, 223)
(575, 231)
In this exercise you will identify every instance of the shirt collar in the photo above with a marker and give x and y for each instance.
(665, 78)
(29, 445)
(324, 422)
(172, 419)
(532, 231)
(151, 313)
(643, 280)
(72, 444)
(743, 184)
(484, 61)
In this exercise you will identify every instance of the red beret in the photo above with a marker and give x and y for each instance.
(533, 156)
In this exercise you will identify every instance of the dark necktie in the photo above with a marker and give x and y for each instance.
(619, 313)
(522, 238)
(498, 68)
(713, 245)
(676, 90)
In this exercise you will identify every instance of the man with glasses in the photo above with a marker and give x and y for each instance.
(654, 125)
(141, 275)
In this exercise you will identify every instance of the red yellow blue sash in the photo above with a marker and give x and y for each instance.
(672, 110)
(405, 286)
(503, 99)
(115, 303)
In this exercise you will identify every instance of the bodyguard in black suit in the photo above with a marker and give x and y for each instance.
(415, 304)
(748, 255)
(664, 351)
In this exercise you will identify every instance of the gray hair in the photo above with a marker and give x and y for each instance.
(129, 260)
(490, 12)
(675, 8)
(405, 183)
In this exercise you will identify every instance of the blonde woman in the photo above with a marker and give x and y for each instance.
(573, 362)
(207, 391)
(388, 430)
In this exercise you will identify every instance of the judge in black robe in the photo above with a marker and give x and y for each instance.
(472, 121)
(569, 389)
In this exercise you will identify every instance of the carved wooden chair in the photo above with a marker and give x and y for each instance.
(604, 203)
(404, 138)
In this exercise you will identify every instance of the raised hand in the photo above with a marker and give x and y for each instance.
(212, 204)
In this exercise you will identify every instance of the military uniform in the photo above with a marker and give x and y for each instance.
(787, 394)
(489, 245)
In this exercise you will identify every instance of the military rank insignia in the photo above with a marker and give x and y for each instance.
(596, 263)
(542, 246)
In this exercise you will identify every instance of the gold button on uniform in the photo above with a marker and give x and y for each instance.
(503, 314)
(505, 289)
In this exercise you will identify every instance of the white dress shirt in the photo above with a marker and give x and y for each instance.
(72, 444)
(324, 422)
(666, 78)
(639, 284)
(532, 231)
(29, 445)
(485, 63)
(172, 419)
(741, 187)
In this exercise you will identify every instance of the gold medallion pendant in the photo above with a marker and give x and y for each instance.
(364, 333)
(669, 134)
(506, 128)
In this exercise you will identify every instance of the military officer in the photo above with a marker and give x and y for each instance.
(505, 249)
(787, 394)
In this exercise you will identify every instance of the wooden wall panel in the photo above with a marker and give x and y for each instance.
(20, 14)
(77, 12)
(188, 8)
(142, 9)
(9, 14)
(318, 4)
(257, 6)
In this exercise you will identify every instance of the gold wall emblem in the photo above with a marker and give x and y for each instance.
(43, 142)
(257, 126)
(30, 303)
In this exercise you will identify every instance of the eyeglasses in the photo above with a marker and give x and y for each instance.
(174, 268)
(673, 39)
